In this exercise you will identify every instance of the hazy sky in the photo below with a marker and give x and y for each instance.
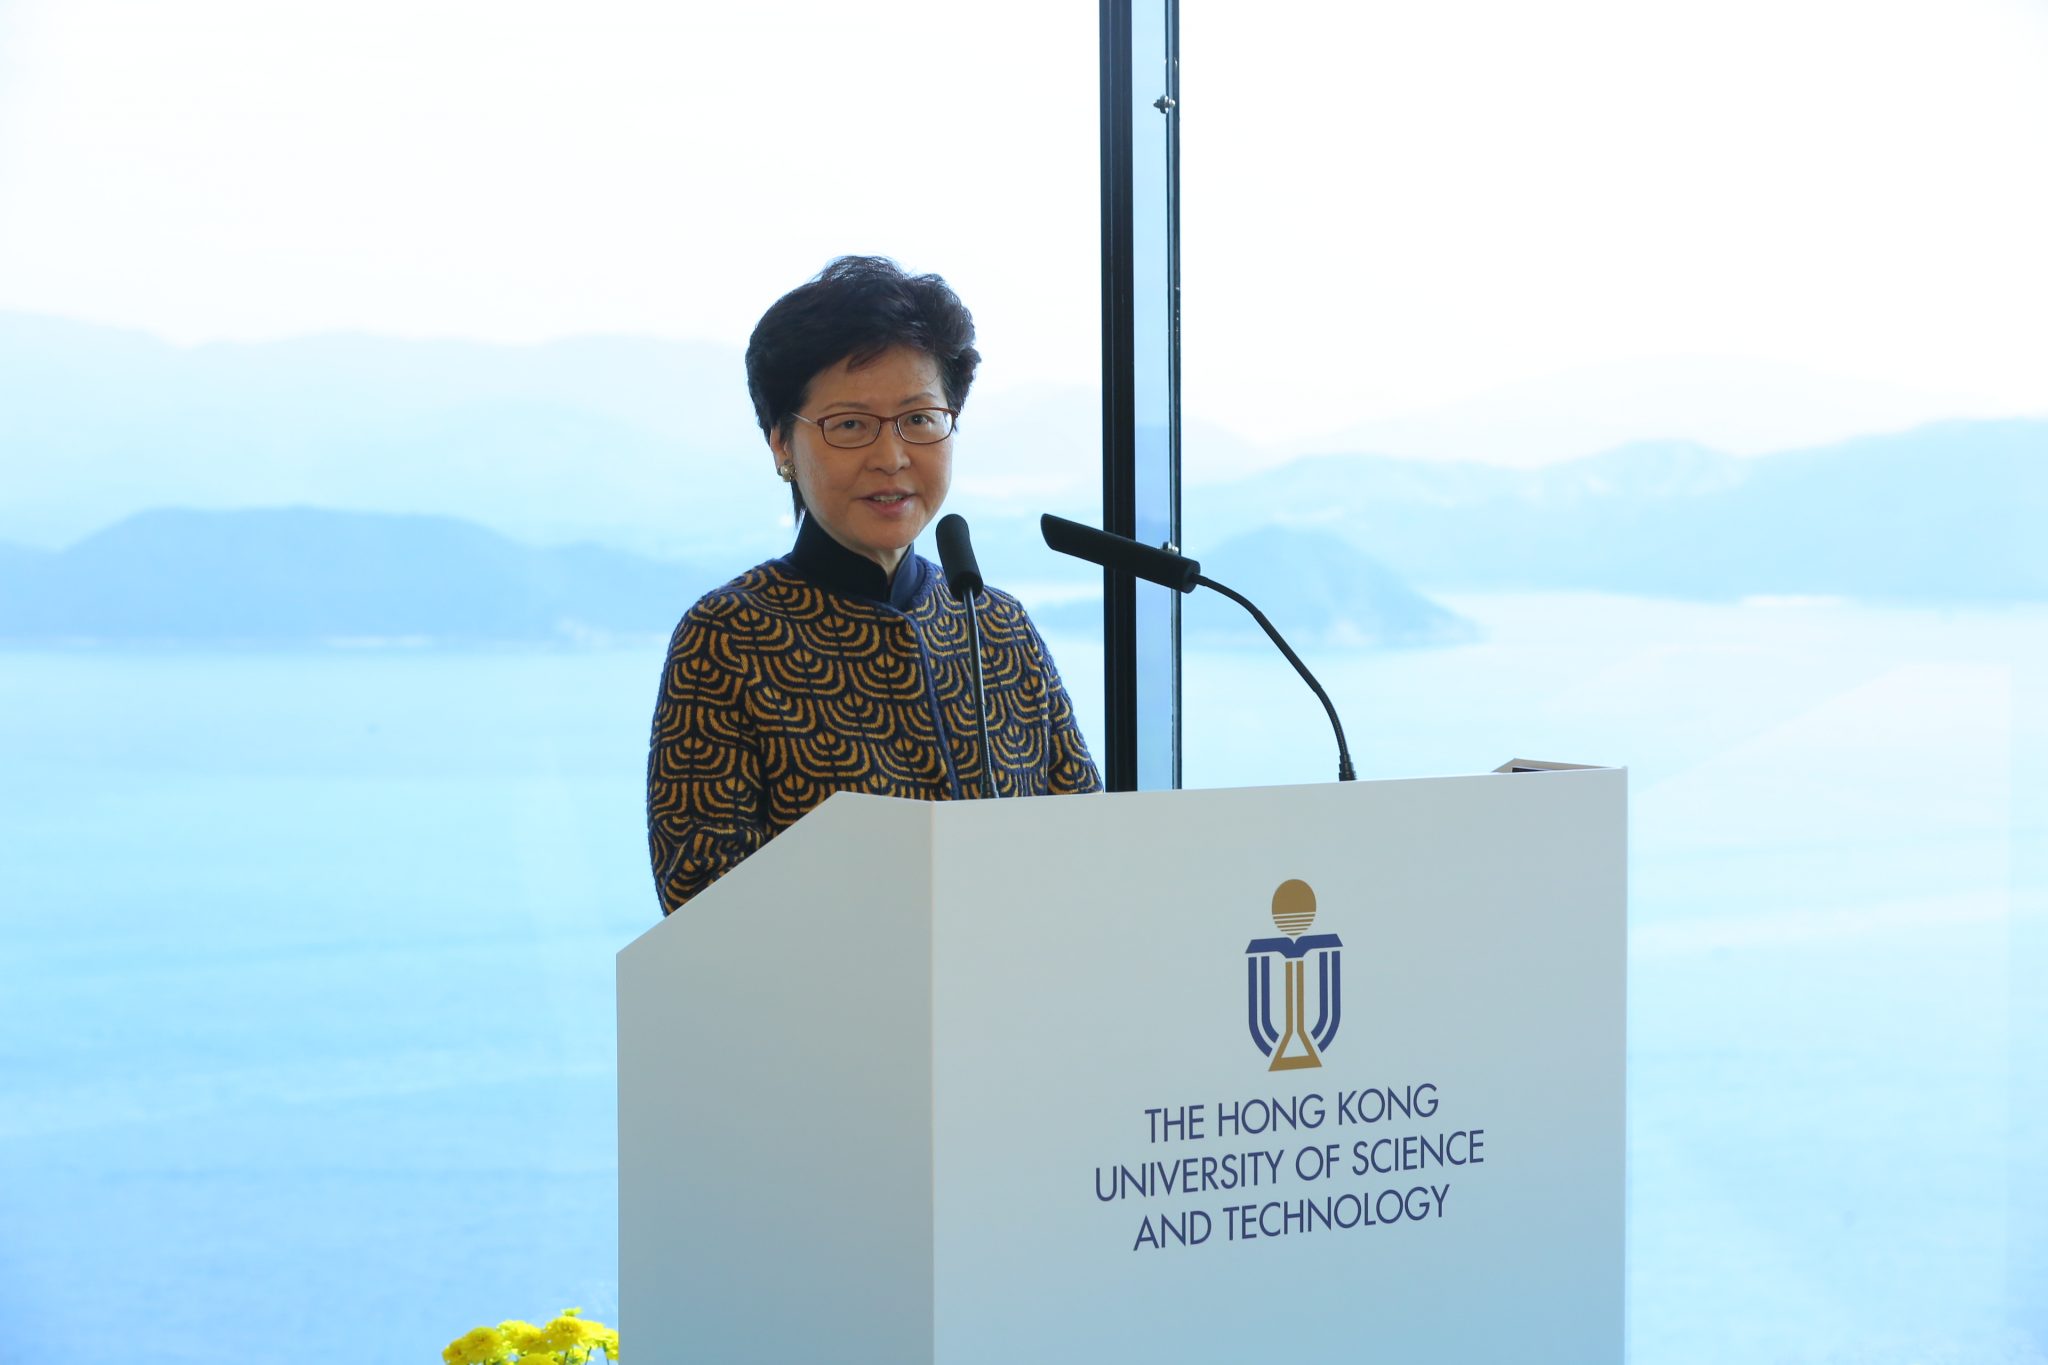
(1389, 208)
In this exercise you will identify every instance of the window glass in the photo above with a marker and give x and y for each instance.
(1665, 386)
(371, 406)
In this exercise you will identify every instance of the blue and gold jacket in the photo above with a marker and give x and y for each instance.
(816, 673)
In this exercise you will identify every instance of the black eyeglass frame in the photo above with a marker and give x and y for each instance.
(952, 425)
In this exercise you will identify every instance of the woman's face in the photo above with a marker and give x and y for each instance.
(874, 500)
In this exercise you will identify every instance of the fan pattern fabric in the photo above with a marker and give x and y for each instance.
(779, 691)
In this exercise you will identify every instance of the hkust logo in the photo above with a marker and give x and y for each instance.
(1296, 1043)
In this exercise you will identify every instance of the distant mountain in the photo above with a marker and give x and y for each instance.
(1318, 591)
(650, 447)
(623, 440)
(639, 443)
(1941, 513)
(1741, 405)
(313, 576)
(309, 576)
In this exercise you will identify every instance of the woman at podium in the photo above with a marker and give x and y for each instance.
(844, 665)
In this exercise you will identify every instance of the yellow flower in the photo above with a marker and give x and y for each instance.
(519, 1336)
(478, 1346)
(566, 1330)
(567, 1339)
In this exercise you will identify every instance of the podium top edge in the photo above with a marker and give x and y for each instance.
(1513, 766)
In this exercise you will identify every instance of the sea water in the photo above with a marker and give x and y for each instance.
(306, 968)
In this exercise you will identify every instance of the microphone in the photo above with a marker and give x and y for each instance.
(1163, 567)
(956, 556)
(963, 579)
(1171, 569)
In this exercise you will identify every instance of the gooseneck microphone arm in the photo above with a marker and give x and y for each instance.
(963, 578)
(1172, 569)
(1345, 773)
(988, 772)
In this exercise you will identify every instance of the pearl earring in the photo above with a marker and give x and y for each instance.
(787, 471)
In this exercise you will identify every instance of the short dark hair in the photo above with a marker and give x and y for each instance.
(855, 309)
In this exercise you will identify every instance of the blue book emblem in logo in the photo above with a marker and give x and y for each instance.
(1294, 1044)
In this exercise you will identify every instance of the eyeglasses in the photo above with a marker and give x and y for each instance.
(852, 430)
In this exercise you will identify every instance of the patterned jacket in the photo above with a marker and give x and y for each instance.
(812, 674)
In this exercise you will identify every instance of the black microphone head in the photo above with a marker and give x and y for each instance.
(1112, 551)
(956, 556)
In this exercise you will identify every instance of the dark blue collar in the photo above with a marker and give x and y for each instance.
(825, 563)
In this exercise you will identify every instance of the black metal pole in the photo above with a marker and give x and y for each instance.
(1119, 411)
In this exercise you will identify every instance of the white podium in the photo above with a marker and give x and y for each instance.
(1077, 1079)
